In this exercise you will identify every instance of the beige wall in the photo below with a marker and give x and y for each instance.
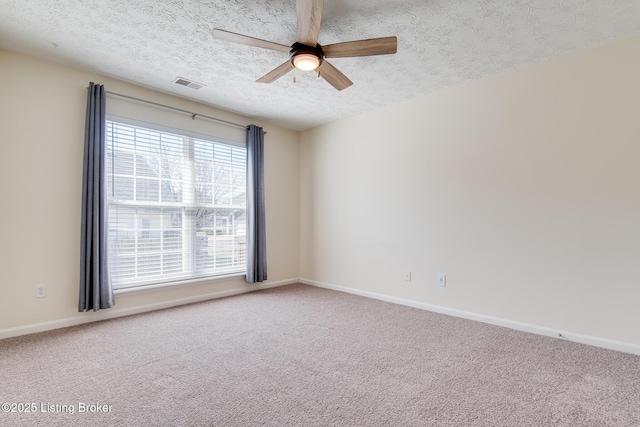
(523, 188)
(42, 110)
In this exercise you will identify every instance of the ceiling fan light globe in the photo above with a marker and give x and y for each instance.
(306, 61)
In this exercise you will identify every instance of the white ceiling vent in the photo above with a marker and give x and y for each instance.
(188, 83)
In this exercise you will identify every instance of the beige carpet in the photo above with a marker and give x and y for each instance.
(303, 356)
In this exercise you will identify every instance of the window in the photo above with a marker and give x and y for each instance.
(176, 204)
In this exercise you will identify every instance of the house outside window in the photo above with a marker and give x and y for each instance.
(176, 204)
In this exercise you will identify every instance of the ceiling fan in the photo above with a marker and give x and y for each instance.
(307, 54)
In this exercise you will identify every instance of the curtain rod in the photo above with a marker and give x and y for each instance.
(193, 115)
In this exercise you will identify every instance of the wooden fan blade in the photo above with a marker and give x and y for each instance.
(250, 41)
(369, 47)
(274, 75)
(309, 14)
(334, 76)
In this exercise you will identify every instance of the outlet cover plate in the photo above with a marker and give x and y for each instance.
(41, 291)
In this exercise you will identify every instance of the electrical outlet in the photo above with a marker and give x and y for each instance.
(442, 280)
(41, 291)
(407, 276)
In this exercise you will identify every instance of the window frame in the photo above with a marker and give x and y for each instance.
(161, 281)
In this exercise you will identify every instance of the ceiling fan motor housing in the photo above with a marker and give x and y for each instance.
(299, 50)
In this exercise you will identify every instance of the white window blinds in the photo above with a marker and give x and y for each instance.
(176, 205)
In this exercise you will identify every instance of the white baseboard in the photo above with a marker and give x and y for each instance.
(526, 327)
(114, 312)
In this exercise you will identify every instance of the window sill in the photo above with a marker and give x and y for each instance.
(159, 286)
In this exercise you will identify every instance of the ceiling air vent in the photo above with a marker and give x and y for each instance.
(188, 83)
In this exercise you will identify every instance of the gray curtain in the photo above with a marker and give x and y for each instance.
(256, 232)
(95, 287)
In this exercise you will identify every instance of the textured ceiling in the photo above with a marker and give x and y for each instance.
(441, 43)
